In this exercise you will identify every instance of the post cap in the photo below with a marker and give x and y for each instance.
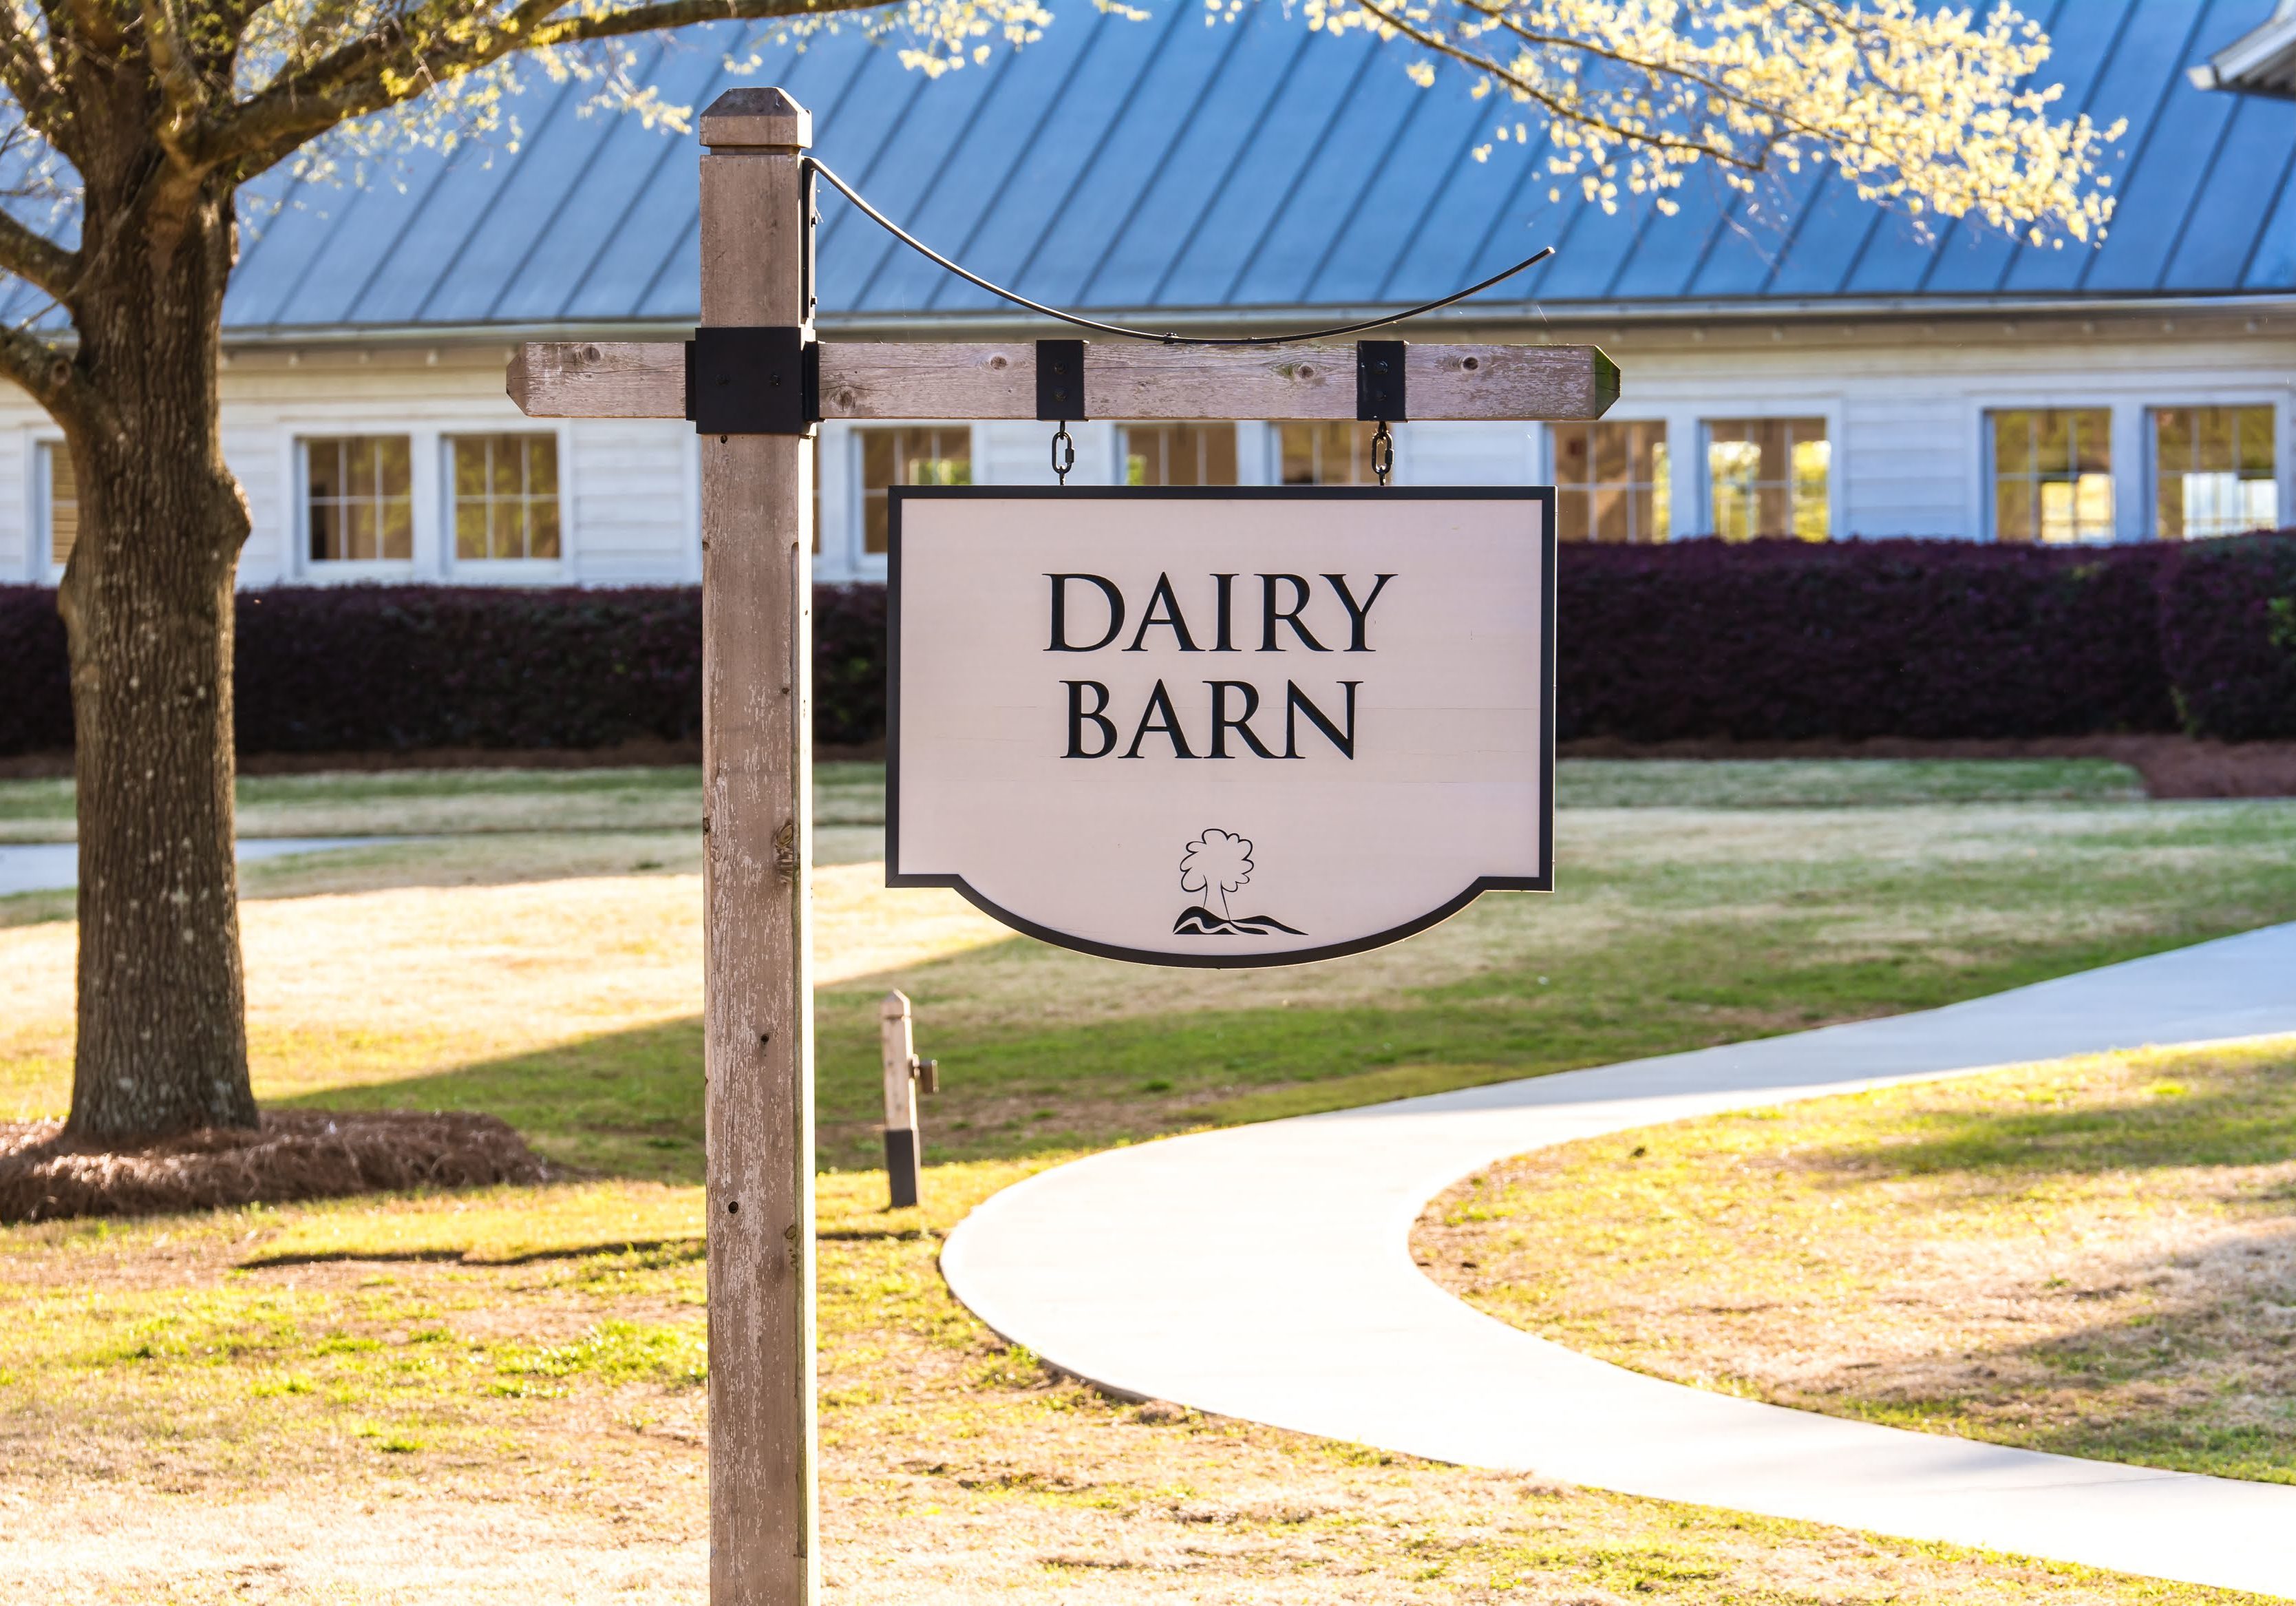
(753, 119)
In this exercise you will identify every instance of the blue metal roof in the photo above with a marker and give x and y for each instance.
(1170, 165)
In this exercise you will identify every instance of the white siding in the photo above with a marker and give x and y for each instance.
(628, 490)
(1906, 407)
(1469, 454)
(1901, 464)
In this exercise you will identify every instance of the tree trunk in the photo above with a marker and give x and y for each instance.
(147, 602)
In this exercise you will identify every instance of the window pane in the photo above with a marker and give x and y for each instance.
(506, 469)
(1662, 500)
(1611, 514)
(2092, 506)
(2061, 488)
(1610, 455)
(1573, 516)
(1622, 467)
(324, 459)
(471, 528)
(1216, 452)
(1768, 477)
(542, 528)
(2213, 471)
(399, 528)
(470, 468)
(2214, 435)
(2093, 441)
(360, 505)
(1325, 453)
(2256, 456)
(2259, 505)
(1573, 459)
(359, 539)
(2013, 508)
(878, 454)
(2012, 443)
(2052, 441)
(1813, 515)
(2172, 438)
(63, 502)
(541, 466)
(1184, 454)
(506, 498)
(876, 519)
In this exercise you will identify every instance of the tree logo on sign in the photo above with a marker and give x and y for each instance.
(1214, 864)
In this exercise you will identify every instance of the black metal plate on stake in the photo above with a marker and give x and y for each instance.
(762, 380)
(1380, 396)
(1060, 381)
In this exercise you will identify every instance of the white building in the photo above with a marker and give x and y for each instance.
(1807, 365)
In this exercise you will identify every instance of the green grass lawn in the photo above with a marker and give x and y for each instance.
(2093, 1256)
(429, 1374)
(1697, 903)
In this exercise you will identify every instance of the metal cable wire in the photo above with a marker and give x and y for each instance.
(1170, 338)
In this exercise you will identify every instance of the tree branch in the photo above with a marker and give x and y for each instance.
(1531, 92)
(36, 260)
(25, 74)
(49, 375)
(437, 43)
(186, 95)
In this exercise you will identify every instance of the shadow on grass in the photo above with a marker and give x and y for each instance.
(2187, 1117)
(629, 1103)
(2196, 1378)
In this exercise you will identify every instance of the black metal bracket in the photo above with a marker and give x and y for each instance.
(1060, 381)
(1380, 394)
(745, 381)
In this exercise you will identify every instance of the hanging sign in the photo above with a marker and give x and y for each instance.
(1221, 725)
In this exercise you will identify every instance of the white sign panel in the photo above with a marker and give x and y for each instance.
(1221, 725)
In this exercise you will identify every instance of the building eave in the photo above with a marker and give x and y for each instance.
(2261, 61)
(1514, 317)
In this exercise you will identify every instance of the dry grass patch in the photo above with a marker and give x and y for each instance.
(351, 988)
(2095, 1257)
(285, 1405)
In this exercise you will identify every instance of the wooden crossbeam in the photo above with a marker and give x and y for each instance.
(873, 379)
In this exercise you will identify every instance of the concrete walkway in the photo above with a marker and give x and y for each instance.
(54, 866)
(1265, 1273)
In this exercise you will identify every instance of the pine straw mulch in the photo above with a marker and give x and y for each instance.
(46, 1176)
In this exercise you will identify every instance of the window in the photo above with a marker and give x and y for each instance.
(1769, 478)
(1327, 454)
(2052, 474)
(505, 497)
(1178, 454)
(1611, 481)
(62, 482)
(362, 498)
(2213, 471)
(926, 455)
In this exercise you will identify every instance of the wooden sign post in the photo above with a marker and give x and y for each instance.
(756, 756)
(755, 383)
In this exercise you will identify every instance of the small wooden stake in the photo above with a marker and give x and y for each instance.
(903, 1142)
(757, 721)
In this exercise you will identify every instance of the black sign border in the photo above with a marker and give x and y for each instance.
(901, 494)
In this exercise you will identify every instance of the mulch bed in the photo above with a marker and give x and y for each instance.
(46, 1176)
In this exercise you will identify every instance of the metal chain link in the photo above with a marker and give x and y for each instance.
(1063, 452)
(1382, 452)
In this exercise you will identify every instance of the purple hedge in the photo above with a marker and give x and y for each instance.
(1775, 640)
(35, 678)
(1783, 639)
(2228, 636)
(383, 668)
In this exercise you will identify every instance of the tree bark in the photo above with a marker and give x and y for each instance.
(147, 602)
